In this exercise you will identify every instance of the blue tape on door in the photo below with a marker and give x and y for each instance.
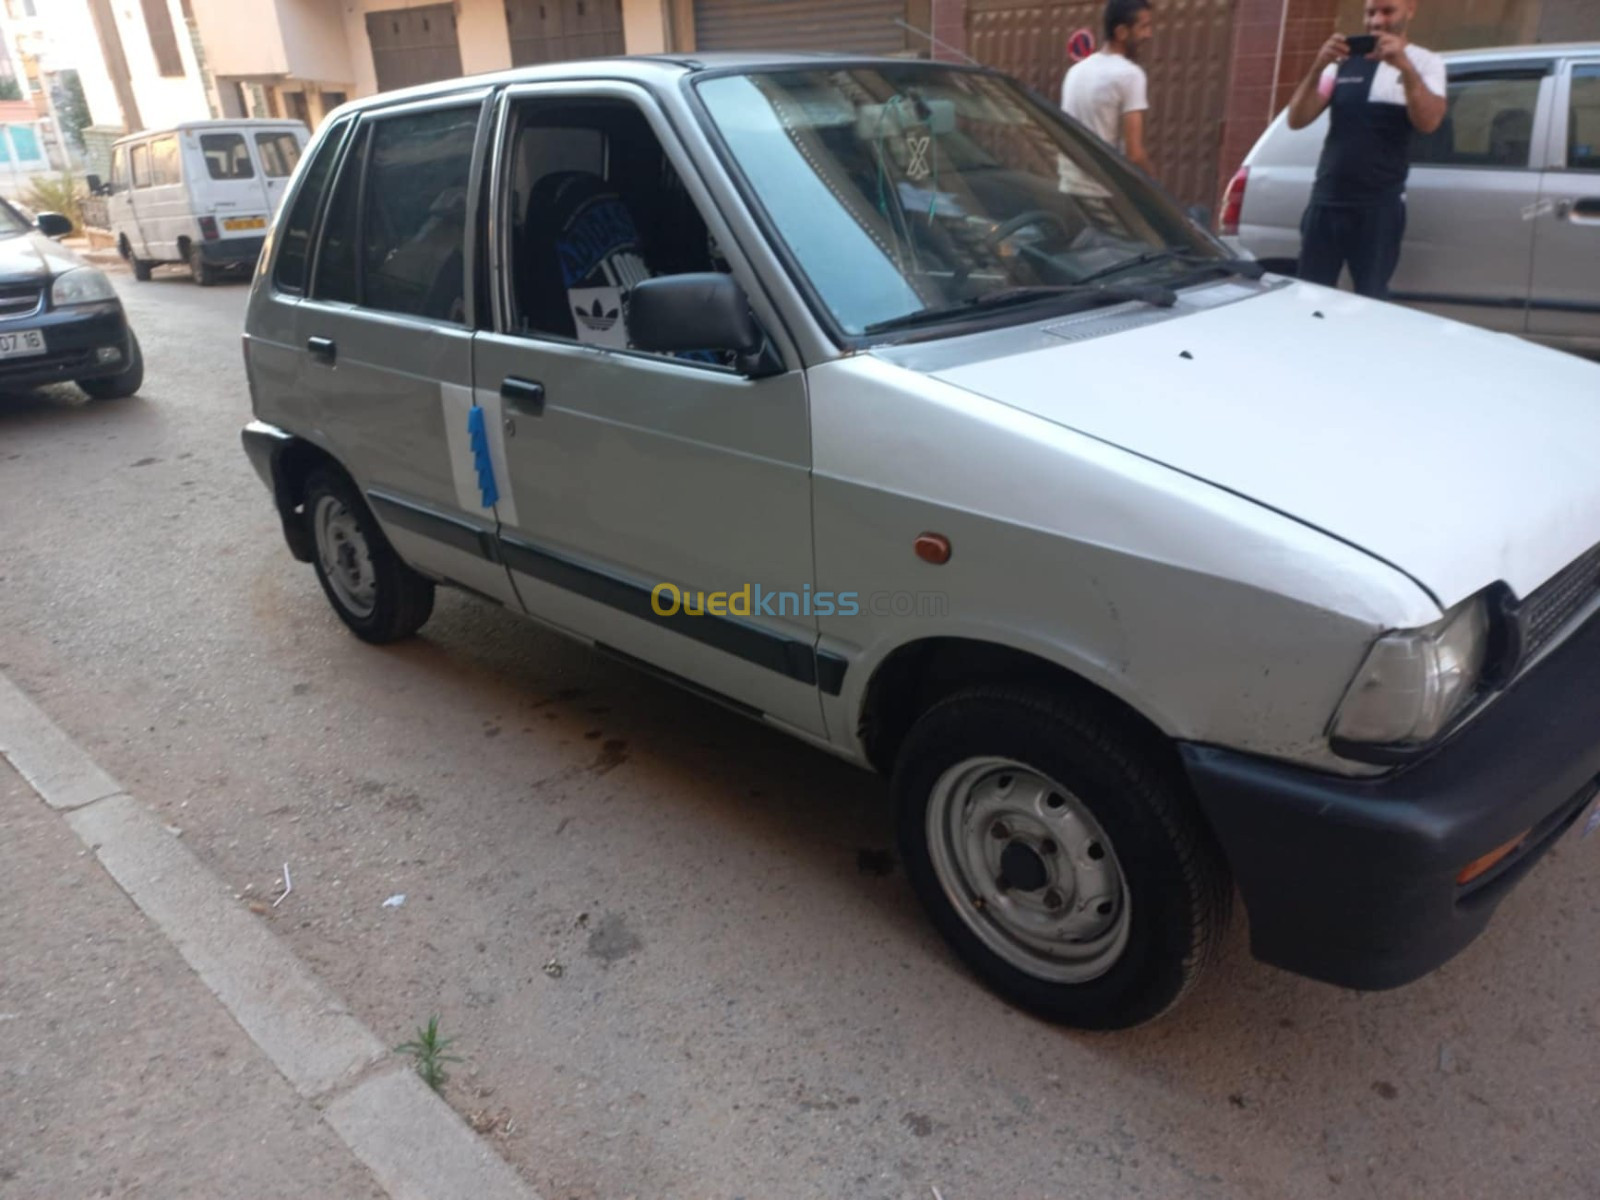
(479, 436)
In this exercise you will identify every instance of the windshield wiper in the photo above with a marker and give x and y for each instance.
(1237, 266)
(1086, 293)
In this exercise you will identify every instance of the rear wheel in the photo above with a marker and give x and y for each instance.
(142, 269)
(373, 591)
(206, 274)
(117, 387)
(1060, 855)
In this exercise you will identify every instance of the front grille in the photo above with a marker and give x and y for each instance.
(45, 366)
(1548, 610)
(19, 300)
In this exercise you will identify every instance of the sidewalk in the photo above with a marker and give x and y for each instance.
(123, 1075)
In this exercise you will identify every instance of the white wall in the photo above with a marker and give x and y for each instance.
(242, 37)
(72, 45)
(162, 100)
(314, 40)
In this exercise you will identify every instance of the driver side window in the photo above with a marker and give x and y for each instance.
(595, 208)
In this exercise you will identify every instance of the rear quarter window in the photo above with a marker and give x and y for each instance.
(295, 233)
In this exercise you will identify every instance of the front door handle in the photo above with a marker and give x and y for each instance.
(524, 395)
(324, 350)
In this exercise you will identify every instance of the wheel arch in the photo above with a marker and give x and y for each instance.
(915, 676)
(287, 461)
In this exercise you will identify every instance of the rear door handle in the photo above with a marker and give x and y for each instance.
(524, 395)
(1587, 210)
(323, 349)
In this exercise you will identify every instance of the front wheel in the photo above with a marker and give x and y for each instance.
(373, 591)
(1060, 855)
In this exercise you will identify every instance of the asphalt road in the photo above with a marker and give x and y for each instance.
(650, 924)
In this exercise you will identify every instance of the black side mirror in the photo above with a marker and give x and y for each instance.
(53, 225)
(95, 185)
(704, 311)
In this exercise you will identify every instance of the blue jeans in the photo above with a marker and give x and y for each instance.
(1366, 237)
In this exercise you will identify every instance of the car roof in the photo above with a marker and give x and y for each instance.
(1547, 50)
(221, 123)
(640, 68)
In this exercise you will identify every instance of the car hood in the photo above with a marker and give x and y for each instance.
(33, 258)
(1459, 456)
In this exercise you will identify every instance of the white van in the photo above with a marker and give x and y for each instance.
(201, 193)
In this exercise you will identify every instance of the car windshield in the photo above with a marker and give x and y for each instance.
(11, 223)
(919, 191)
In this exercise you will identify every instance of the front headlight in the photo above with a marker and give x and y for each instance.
(81, 285)
(1415, 681)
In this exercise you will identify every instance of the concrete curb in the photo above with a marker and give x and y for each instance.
(409, 1138)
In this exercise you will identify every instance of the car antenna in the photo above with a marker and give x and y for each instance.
(923, 33)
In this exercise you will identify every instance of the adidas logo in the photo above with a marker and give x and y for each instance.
(597, 317)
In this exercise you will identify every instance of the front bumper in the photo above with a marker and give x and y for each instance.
(71, 336)
(1353, 881)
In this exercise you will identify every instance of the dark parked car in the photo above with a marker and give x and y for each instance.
(60, 320)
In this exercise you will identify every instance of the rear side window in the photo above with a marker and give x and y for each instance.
(295, 233)
(415, 220)
(278, 152)
(1489, 122)
(164, 161)
(140, 158)
(336, 256)
(1583, 123)
(226, 156)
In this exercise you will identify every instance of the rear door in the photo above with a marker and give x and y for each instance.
(1566, 263)
(1473, 190)
(277, 152)
(224, 183)
(387, 333)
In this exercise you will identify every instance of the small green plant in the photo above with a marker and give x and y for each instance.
(61, 194)
(427, 1051)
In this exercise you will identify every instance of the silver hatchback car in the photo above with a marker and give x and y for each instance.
(880, 403)
(1503, 203)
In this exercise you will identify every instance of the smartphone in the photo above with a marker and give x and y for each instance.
(1362, 44)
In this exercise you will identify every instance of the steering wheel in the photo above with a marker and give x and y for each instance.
(1033, 216)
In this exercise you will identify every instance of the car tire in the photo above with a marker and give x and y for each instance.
(205, 273)
(1057, 849)
(118, 387)
(141, 269)
(379, 597)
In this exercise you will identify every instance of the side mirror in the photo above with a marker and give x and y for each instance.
(704, 311)
(53, 225)
(95, 185)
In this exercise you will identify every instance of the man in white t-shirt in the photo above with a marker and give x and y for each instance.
(1107, 91)
(1376, 102)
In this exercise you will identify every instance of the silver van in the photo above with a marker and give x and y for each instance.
(878, 402)
(1502, 206)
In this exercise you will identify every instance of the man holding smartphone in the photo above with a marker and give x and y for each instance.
(1380, 89)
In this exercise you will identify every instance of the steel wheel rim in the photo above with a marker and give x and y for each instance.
(346, 559)
(1029, 870)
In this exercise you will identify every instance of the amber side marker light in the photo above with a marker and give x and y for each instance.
(1479, 867)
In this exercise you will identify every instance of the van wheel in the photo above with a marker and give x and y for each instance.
(205, 273)
(118, 387)
(375, 594)
(142, 269)
(1059, 855)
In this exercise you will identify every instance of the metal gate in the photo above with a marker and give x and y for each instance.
(553, 30)
(414, 45)
(1187, 62)
(850, 26)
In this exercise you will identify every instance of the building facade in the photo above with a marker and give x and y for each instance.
(1219, 69)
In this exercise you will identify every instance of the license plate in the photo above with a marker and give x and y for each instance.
(244, 222)
(21, 345)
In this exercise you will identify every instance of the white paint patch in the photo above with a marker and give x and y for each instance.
(494, 420)
(456, 401)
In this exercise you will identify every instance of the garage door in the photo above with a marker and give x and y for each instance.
(553, 30)
(414, 45)
(1186, 62)
(850, 26)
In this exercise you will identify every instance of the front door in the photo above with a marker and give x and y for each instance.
(1473, 188)
(641, 482)
(387, 336)
(1566, 263)
(119, 204)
